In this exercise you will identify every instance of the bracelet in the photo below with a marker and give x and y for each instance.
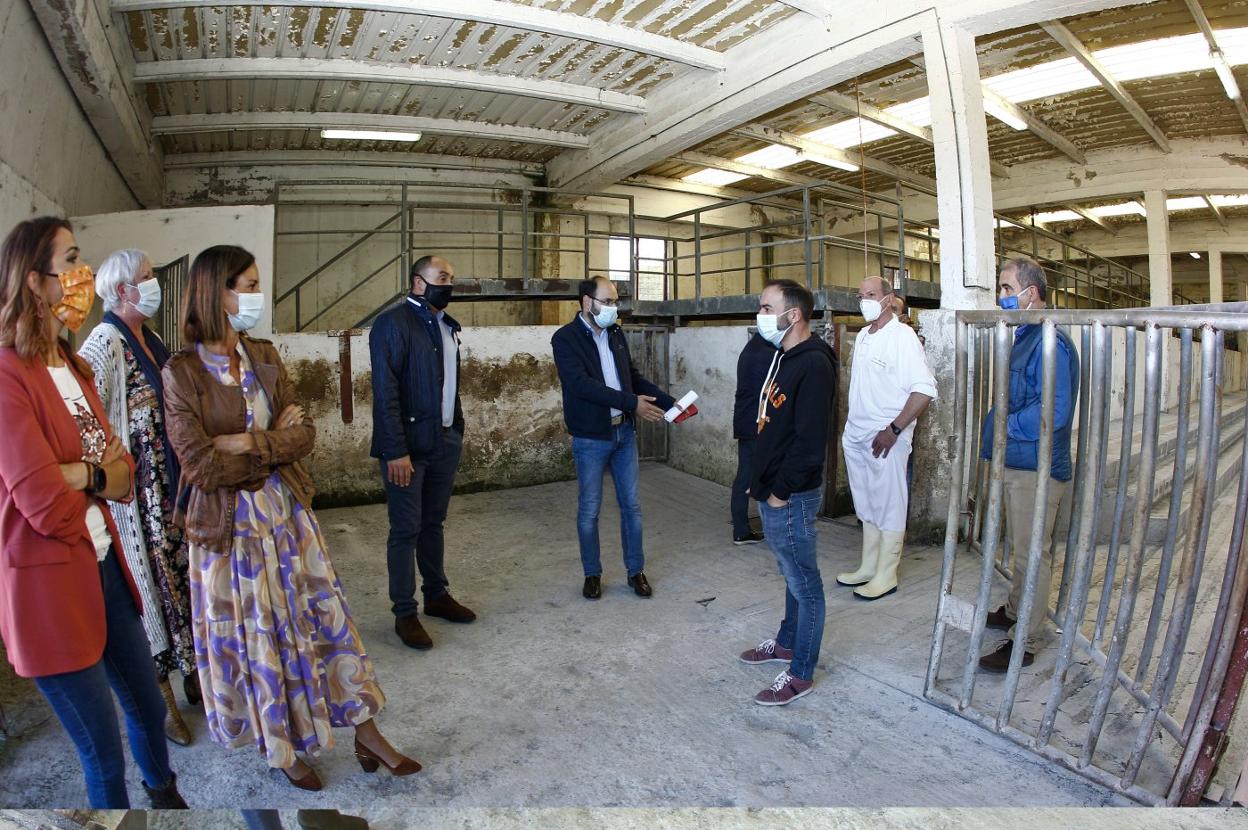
(89, 487)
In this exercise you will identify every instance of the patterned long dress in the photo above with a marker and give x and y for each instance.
(280, 659)
(166, 548)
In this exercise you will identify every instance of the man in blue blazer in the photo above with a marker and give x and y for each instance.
(603, 395)
(418, 436)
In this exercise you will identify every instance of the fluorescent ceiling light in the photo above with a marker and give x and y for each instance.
(1194, 254)
(371, 135)
(1225, 74)
(1003, 116)
(715, 178)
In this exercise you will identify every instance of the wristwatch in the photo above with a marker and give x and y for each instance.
(896, 429)
(97, 478)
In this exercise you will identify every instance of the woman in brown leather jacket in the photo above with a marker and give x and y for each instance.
(280, 660)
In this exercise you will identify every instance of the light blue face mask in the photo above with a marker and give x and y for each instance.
(606, 315)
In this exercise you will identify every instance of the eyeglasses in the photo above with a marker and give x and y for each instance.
(607, 301)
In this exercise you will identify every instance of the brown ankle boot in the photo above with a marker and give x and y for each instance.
(176, 729)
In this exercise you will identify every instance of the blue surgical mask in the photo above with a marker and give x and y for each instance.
(606, 316)
(250, 307)
(1008, 303)
(149, 298)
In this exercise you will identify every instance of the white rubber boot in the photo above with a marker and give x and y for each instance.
(885, 581)
(870, 556)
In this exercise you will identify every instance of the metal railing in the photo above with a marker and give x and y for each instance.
(172, 278)
(1119, 700)
(525, 227)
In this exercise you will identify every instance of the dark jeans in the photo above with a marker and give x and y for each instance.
(739, 501)
(417, 513)
(790, 531)
(593, 458)
(85, 708)
(262, 819)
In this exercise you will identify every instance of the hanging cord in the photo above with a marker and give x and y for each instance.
(862, 170)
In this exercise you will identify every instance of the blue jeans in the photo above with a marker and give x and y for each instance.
(790, 531)
(593, 457)
(85, 708)
(417, 513)
(739, 499)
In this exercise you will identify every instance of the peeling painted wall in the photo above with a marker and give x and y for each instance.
(704, 359)
(50, 159)
(514, 433)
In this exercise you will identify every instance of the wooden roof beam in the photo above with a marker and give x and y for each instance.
(1066, 38)
(851, 106)
(1037, 127)
(490, 12)
(771, 135)
(345, 69)
(1094, 219)
(1217, 211)
(1203, 22)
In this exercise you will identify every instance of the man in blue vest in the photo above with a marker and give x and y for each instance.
(418, 435)
(603, 396)
(1023, 287)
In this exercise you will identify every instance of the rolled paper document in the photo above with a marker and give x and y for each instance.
(684, 403)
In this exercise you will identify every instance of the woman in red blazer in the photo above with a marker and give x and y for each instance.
(68, 606)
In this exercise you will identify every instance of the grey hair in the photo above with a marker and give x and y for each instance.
(1028, 272)
(121, 268)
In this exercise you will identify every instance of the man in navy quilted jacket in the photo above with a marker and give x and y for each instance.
(418, 435)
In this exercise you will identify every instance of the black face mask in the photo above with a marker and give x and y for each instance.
(439, 296)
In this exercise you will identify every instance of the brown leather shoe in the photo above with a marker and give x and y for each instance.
(1000, 620)
(999, 661)
(447, 608)
(412, 633)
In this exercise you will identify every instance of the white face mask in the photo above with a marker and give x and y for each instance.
(149, 298)
(606, 315)
(871, 310)
(769, 328)
(250, 307)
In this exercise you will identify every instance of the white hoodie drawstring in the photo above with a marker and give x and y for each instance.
(772, 373)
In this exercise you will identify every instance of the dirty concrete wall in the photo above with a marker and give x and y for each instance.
(167, 235)
(50, 159)
(704, 359)
(514, 434)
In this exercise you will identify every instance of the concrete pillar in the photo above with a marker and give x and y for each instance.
(967, 259)
(1161, 287)
(1160, 280)
(1215, 276)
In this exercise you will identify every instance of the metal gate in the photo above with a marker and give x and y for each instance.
(172, 278)
(649, 347)
(1153, 583)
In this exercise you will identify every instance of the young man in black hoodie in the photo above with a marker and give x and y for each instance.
(794, 415)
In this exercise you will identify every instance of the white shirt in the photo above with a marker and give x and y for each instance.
(888, 366)
(610, 374)
(450, 364)
(71, 393)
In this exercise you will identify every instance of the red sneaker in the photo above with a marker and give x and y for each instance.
(768, 651)
(786, 689)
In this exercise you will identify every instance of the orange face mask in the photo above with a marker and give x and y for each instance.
(78, 287)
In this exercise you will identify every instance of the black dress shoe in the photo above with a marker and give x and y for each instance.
(751, 538)
(640, 585)
(593, 587)
(412, 633)
(999, 661)
(1000, 620)
(447, 608)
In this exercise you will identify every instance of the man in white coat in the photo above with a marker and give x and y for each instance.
(890, 385)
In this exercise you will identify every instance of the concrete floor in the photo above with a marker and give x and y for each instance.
(550, 701)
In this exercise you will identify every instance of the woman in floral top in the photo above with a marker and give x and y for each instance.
(279, 655)
(127, 357)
